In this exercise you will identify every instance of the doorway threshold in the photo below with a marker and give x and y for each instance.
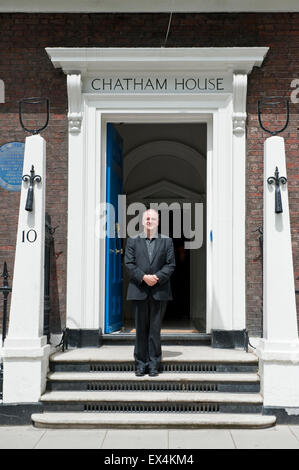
(173, 326)
(181, 337)
(166, 330)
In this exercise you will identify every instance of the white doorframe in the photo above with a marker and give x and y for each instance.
(219, 181)
(225, 115)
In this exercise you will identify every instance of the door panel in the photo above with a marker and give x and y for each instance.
(113, 268)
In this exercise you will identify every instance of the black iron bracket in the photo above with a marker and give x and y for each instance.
(267, 102)
(34, 101)
(277, 180)
(32, 178)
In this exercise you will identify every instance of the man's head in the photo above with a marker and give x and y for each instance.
(150, 220)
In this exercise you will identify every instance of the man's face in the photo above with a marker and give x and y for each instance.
(150, 220)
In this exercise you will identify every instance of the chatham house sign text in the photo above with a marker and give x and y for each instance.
(142, 83)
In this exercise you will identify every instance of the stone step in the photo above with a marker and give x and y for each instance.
(141, 396)
(172, 354)
(200, 387)
(166, 382)
(151, 420)
(167, 376)
(145, 401)
(174, 359)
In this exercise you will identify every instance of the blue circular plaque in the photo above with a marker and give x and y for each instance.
(11, 165)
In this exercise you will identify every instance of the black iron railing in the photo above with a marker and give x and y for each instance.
(49, 241)
(5, 289)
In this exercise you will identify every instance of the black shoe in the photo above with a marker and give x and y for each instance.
(153, 373)
(139, 372)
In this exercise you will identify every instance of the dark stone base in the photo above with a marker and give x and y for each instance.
(229, 339)
(17, 414)
(282, 416)
(83, 338)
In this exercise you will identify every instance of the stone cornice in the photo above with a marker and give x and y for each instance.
(141, 6)
(85, 60)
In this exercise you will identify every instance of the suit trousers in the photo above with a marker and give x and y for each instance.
(148, 318)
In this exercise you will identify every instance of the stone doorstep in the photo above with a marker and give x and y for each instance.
(165, 376)
(140, 396)
(174, 354)
(151, 420)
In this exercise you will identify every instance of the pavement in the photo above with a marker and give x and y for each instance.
(29, 437)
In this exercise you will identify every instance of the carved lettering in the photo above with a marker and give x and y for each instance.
(138, 84)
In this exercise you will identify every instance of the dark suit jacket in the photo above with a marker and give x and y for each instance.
(137, 264)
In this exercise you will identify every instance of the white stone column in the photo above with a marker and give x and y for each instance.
(75, 289)
(25, 352)
(239, 200)
(278, 351)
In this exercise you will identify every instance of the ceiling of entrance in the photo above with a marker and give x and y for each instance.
(170, 152)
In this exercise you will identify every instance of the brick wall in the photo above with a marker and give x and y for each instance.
(27, 71)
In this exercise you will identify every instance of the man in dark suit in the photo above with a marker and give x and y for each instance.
(150, 261)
